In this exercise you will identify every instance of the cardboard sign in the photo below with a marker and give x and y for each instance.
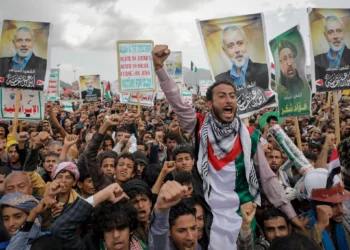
(24, 57)
(52, 93)
(146, 98)
(31, 104)
(135, 66)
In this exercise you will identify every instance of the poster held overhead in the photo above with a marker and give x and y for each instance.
(90, 87)
(330, 38)
(293, 90)
(173, 65)
(135, 66)
(24, 54)
(52, 91)
(204, 85)
(231, 59)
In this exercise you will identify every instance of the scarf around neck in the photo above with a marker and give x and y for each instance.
(222, 138)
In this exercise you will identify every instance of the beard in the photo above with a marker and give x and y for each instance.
(336, 48)
(218, 114)
(23, 54)
(239, 64)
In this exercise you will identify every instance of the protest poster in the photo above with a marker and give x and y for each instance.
(330, 54)
(52, 91)
(67, 105)
(90, 88)
(160, 95)
(204, 85)
(225, 41)
(173, 65)
(69, 91)
(146, 98)
(24, 54)
(187, 96)
(293, 90)
(31, 104)
(114, 87)
(135, 66)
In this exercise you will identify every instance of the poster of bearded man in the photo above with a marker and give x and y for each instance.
(24, 54)
(293, 90)
(330, 37)
(236, 50)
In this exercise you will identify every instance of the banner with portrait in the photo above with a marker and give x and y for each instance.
(237, 52)
(330, 41)
(173, 65)
(31, 104)
(293, 90)
(24, 54)
(90, 88)
(52, 90)
(135, 66)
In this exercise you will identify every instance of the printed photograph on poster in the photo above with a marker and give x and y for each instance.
(237, 52)
(330, 41)
(69, 91)
(24, 54)
(135, 66)
(51, 92)
(293, 90)
(31, 104)
(204, 85)
(90, 87)
(173, 65)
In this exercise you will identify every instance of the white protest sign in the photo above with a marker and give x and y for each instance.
(67, 105)
(51, 93)
(187, 96)
(135, 66)
(146, 98)
(160, 95)
(204, 85)
(31, 104)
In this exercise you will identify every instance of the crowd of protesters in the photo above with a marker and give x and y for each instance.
(197, 178)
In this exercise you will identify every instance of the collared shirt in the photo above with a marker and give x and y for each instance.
(20, 65)
(239, 80)
(335, 62)
(89, 91)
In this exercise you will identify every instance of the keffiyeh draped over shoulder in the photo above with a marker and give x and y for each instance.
(21, 201)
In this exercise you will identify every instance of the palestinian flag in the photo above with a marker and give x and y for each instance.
(108, 91)
(333, 167)
(193, 67)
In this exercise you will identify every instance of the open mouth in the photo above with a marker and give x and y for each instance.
(239, 58)
(189, 245)
(123, 173)
(337, 43)
(228, 110)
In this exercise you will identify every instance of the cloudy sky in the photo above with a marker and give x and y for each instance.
(84, 32)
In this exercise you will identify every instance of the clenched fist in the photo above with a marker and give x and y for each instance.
(159, 54)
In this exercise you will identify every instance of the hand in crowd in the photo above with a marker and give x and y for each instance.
(324, 213)
(248, 212)
(55, 187)
(113, 193)
(45, 204)
(168, 167)
(170, 194)
(70, 140)
(159, 54)
(175, 128)
(40, 139)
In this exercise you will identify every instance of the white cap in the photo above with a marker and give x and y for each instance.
(317, 178)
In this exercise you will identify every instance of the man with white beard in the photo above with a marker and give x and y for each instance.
(24, 59)
(250, 78)
(338, 54)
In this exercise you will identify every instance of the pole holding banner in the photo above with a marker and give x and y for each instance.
(296, 124)
(336, 115)
(138, 103)
(15, 120)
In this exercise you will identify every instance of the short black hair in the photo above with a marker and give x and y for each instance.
(159, 124)
(313, 145)
(180, 209)
(210, 90)
(294, 241)
(273, 213)
(51, 154)
(128, 156)
(120, 215)
(84, 174)
(183, 148)
(6, 128)
(108, 154)
(310, 156)
(325, 127)
(141, 143)
(169, 136)
(184, 178)
(304, 140)
(150, 174)
(107, 138)
(5, 171)
(271, 118)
